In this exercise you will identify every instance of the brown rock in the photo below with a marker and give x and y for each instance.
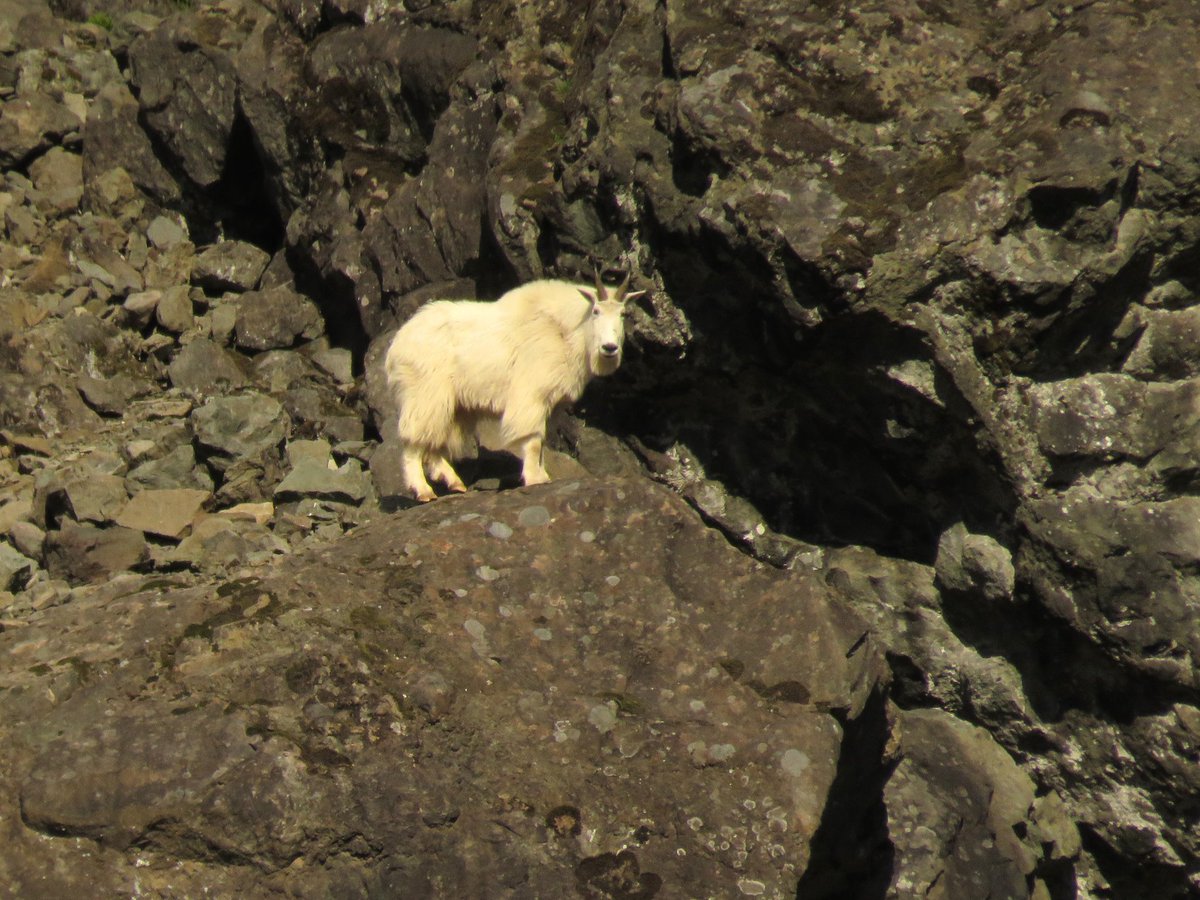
(84, 553)
(167, 513)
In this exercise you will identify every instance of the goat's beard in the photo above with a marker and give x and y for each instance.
(605, 365)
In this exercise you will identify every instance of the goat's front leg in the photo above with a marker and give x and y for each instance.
(440, 468)
(412, 464)
(532, 470)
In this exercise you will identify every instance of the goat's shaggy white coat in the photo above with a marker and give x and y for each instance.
(462, 369)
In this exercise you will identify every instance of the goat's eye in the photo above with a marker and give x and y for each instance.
(595, 310)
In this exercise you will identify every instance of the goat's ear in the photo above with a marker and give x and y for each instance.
(633, 295)
(589, 295)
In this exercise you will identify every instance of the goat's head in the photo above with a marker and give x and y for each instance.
(607, 324)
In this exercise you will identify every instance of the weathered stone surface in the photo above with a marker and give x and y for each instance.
(93, 496)
(275, 318)
(97, 259)
(174, 309)
(232, 428)
(957, 807)
(58, 177)
(113, 138)
(85, 553)
(387, 471)
(218, 543)
(15, 569)
(165, 233)
(204, 368)
(187, 93)
(974, 563)
(29, 125)
(177, 469)
(230, 266)
(167, 513)
(140, 306)
(112, 396)
(345, 484)
(916, 276)
(27, 538)
(752, 722)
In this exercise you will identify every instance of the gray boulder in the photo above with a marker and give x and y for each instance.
(276, 318)
(229, 266)
(238, 427)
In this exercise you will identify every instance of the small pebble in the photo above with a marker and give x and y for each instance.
(534, 517)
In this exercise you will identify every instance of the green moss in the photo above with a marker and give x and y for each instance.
(102, 19)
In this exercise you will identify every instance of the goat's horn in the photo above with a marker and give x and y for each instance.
(622, 288)
(600, 294)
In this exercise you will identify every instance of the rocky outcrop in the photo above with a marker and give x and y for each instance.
(917, 343)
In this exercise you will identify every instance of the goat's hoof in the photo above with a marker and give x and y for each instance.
(458, 488)
(424, 496)
(536, 479)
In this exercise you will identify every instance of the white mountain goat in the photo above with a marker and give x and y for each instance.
(495, 371)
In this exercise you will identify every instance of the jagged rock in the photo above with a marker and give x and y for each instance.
(974, 563)
(1165, 347)
(166, 513)
(276, 318)
(958, 807)
(112, 396)
(247, 480)
(31, 125)
(177, 469)
(165, 233)
(91, 496)
(15, 569)
(85, 553)
(97, 259)
(240, 427)
(167, 268)
(499, 648)
(312, 479)
(114, 194)
(187, 93)
(1112, 415)
(27, 538)
(58, 177)
(140, 306)
(1139, 558)
(203, 367)
(336, 362)
(229, 266)
(310, 451)
(219, 543)
(278, 371)
(174, 309)
(387, 471)
(223, 321)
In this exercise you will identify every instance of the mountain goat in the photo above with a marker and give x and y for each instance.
(462, 368)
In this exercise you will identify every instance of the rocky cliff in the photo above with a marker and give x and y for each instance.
(873, 572)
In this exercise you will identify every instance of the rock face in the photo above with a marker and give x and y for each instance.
(918, 342)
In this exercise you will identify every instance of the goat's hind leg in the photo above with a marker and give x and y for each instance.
(413, 466)
(532, 469)
(440, 468)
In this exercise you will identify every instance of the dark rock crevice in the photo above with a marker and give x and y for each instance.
(852, 855)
